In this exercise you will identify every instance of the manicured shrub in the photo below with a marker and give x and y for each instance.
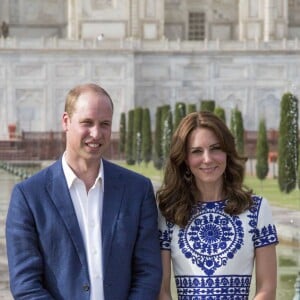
(167, 130)
(262, 151)
(146, 137)
(158, 153)
(122, 134)
(129, 140)
(237, 129)
(137, 135)
(207, 105)
(220, 112)
(191, 108)
(180, 113)
(288, 143)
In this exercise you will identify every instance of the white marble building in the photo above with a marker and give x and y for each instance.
(146, 53)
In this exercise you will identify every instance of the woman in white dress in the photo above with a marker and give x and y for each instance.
(213, 229)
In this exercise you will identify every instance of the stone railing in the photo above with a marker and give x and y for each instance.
(47, 145)
(147, 45)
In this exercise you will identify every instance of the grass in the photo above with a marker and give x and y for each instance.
(148, 170)
(267, 188)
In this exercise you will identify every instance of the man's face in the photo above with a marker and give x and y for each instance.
(88, 130)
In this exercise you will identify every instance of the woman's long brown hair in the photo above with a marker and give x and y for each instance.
(177, 196)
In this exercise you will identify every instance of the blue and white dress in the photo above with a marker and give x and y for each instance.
(213, 256)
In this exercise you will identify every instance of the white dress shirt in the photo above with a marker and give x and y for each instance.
(88, 207)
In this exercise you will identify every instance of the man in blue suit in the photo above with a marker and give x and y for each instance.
(84, 228)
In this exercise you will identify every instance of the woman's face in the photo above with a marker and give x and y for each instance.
(205, 158)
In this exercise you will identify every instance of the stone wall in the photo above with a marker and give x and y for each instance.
(41, 146)
(36, 74)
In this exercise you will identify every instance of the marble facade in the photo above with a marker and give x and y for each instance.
(249, 58)
(33, 84)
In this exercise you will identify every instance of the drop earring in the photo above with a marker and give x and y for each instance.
(187, 175)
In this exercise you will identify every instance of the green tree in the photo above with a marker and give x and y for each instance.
(207, 105)
(262, 151)
(237, 129)
(147, 137)
(298, 168)
(129, 140)
(180, 113)
(137, 135)
(220, 112)
(158, 152)
(288, 143)
(167, 130)
(122, 132)
(191, 108)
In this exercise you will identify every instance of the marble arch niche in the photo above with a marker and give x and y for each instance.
(230, 97)
(269, 109)
(229, 103)
(103, 9)
(4, 120)
(150, 8)
(31, 19)
(56, 116)
(90, 5)
(29, 109)
(103, 18)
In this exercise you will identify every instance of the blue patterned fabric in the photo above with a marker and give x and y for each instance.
(213, 256)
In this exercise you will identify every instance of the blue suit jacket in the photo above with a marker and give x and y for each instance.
(45, 249)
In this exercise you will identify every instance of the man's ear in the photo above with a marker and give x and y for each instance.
(65, 121)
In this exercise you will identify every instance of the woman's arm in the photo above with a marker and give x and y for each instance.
(266, 273)
(165, 291)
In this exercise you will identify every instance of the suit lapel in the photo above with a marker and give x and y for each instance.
(59, 194)
(113, 195)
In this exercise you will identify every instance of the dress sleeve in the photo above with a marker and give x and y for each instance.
(165, 232)
(265, 233)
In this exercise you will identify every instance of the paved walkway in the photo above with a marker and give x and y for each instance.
(288, 226)
(6, 183)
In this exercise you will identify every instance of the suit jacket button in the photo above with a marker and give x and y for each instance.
(86, 287)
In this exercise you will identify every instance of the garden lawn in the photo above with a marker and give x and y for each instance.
(268, 188)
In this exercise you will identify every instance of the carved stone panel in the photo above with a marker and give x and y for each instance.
(100, 4)
(270, 71)
(229, 97)
(113, 70)
(2, 72)
(4, 121)
(192, 95)
(104, 9)
(174, 31)
(153, 72)
(267, 106)
(55, 112)
(195, 72)
(30, 70)
(150, 8)
(230, 71)
(69, 70)
(38, 12)
(30, 109)
(117, 94)
(150, 31)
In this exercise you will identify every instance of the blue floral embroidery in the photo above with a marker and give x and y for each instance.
(166, 236)
(264, 236)
(211, 238)
(213, 288)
